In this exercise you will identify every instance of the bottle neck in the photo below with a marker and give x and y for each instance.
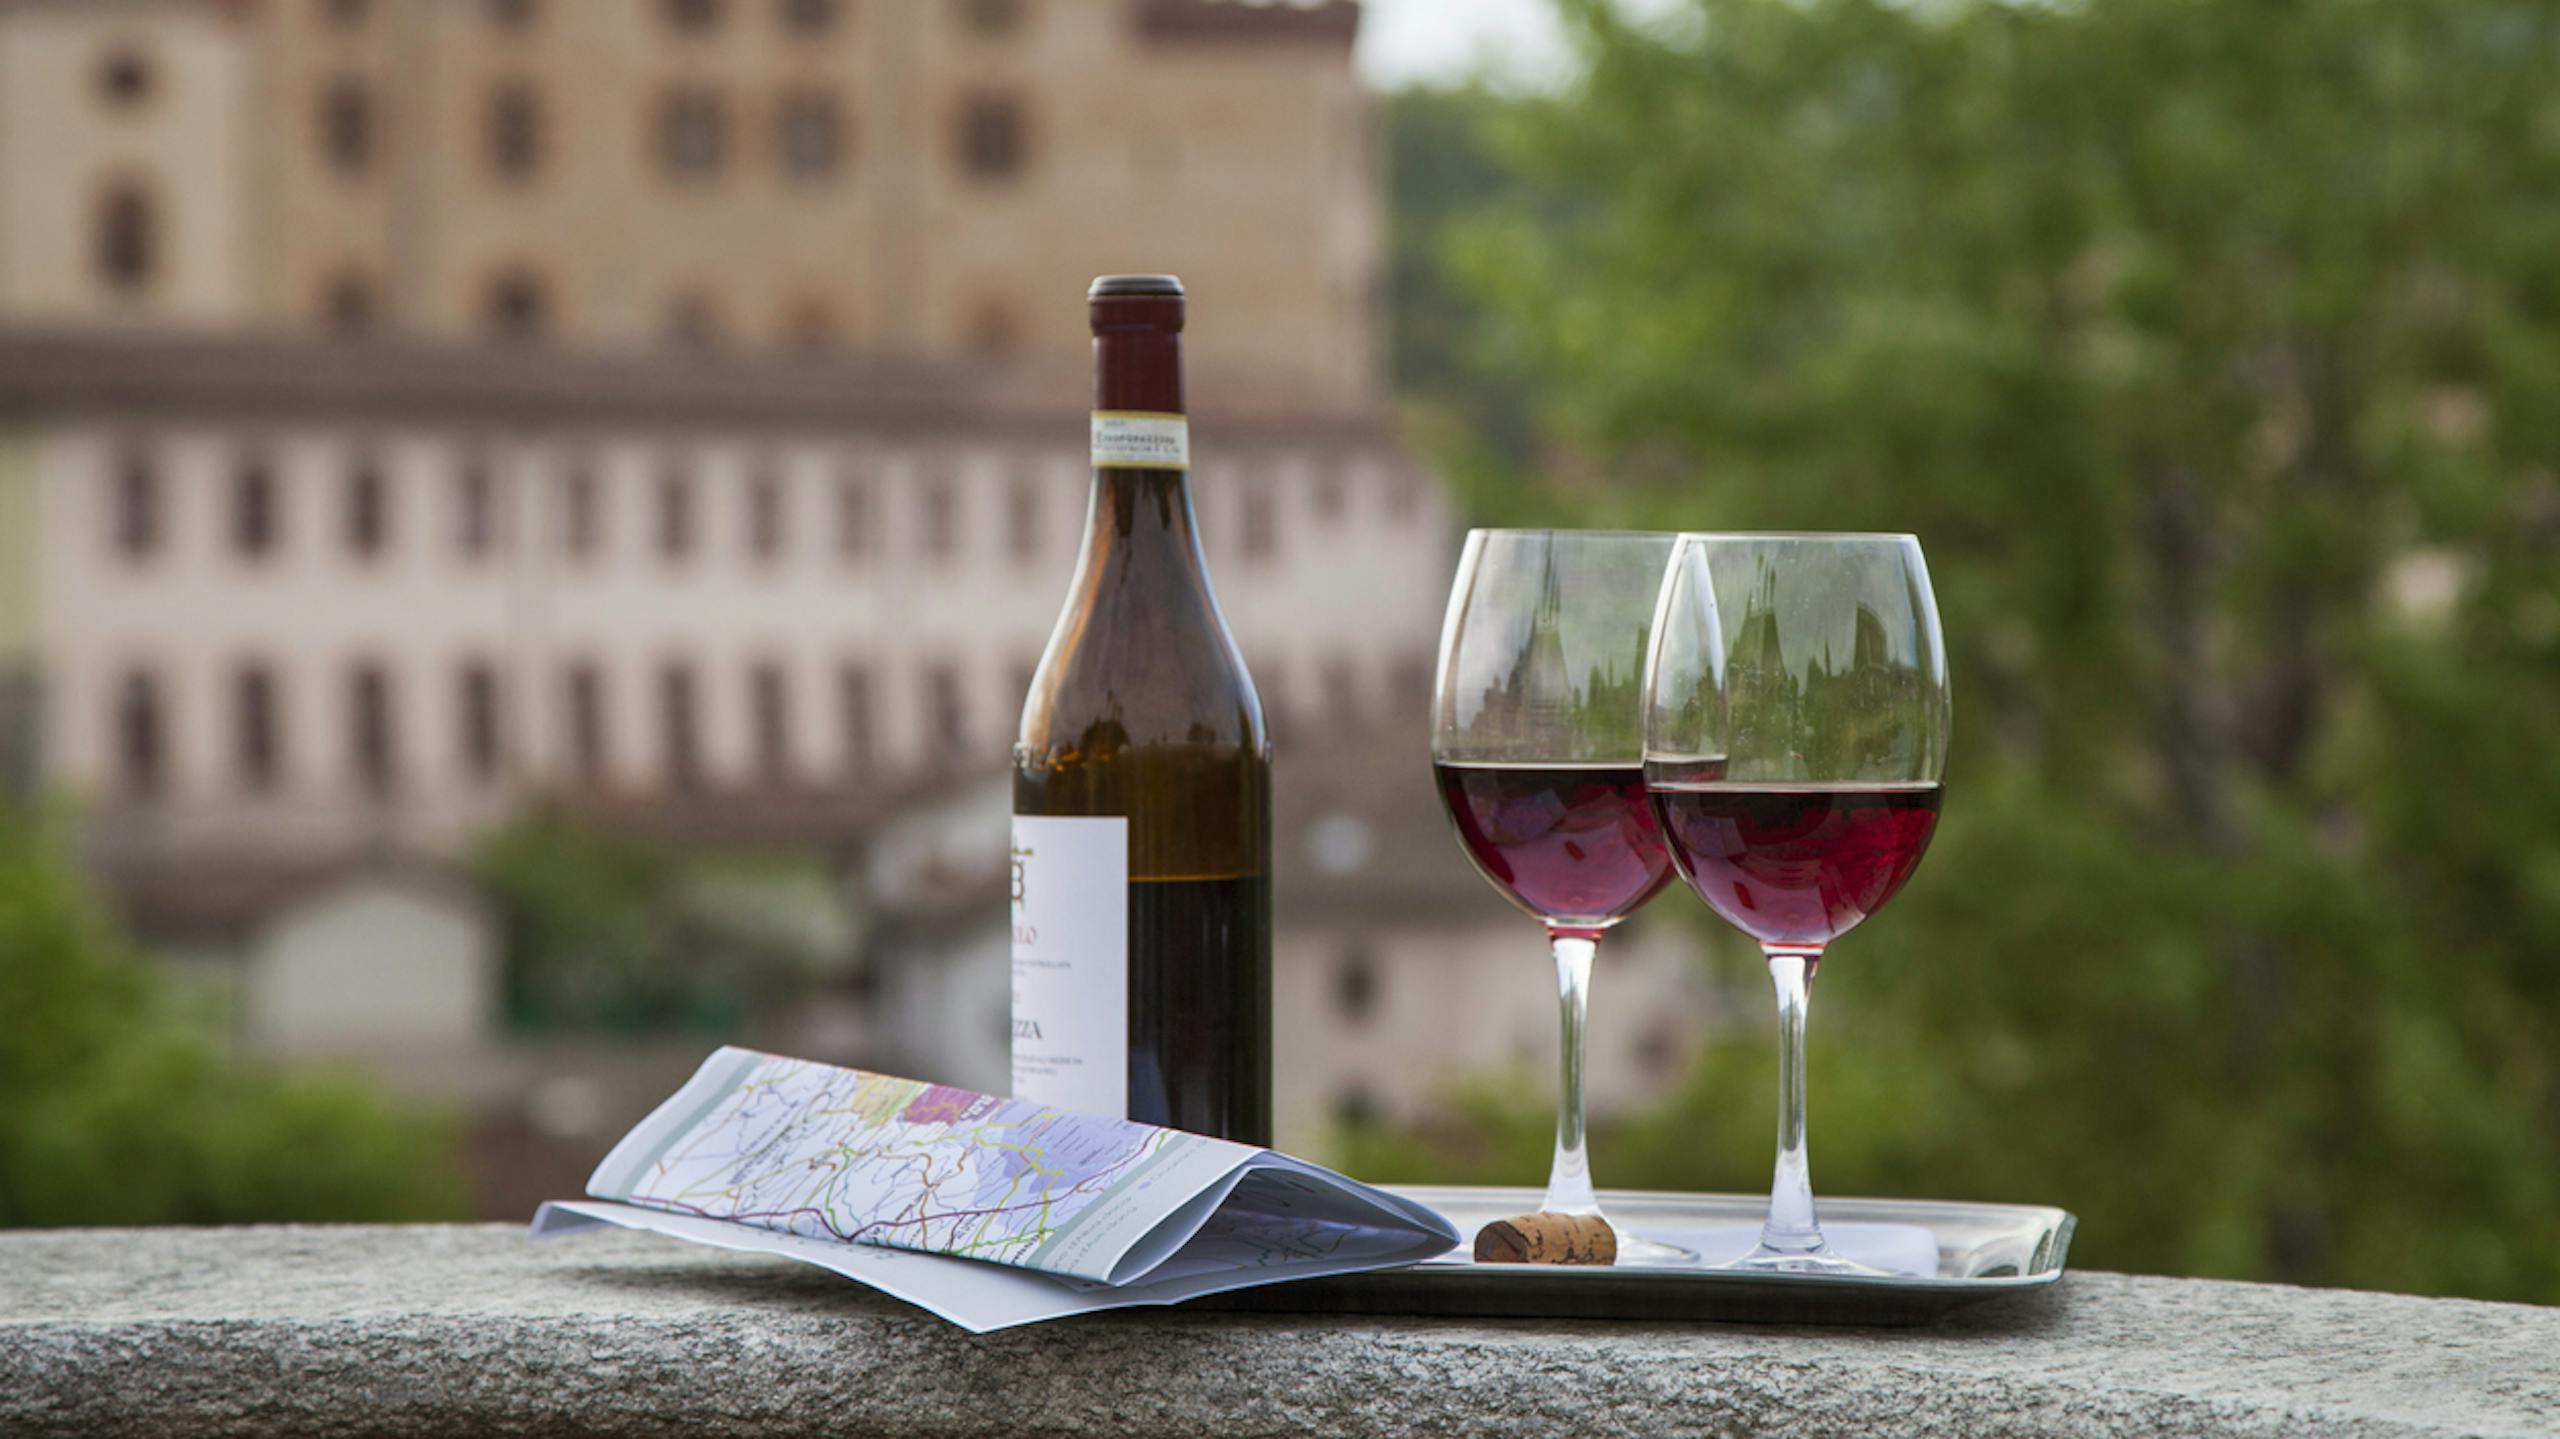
(1138, 369)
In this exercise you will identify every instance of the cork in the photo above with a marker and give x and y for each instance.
(1546, 1238)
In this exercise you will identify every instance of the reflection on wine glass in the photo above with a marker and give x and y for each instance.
(1796, 718)
(1537, 743)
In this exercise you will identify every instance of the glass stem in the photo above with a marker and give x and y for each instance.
(1791, 1226)
(1569, 1178)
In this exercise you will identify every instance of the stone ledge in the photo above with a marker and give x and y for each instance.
(436, 1330)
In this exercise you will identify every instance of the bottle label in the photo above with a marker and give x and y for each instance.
(1141, 440)
(1071, 962)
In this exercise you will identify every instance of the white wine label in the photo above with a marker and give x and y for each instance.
(1071, 963)
(1141, 440)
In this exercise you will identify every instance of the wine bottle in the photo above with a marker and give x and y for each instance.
(1142, 785)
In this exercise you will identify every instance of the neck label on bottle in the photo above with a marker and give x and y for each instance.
(1071, 962)
(1141, 440)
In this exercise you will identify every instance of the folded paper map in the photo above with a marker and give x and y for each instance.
(989, 1212)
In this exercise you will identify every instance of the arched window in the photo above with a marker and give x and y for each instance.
(346, 126)
(484, 746)
(992, 145)
(769, 699)
(128, 238)
(346, 305)
(254, 518)
(515, 131)
(255, 744)
(516, 307)
(693, 321)
(141, 750)
(370, 738)
(812, 137)
(125, 78)
(679, 728)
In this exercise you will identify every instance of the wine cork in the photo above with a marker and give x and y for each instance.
(1546, 1238)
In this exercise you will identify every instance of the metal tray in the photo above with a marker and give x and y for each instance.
(1982, 1251)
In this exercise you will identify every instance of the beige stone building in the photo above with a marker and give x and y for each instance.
(921, 178)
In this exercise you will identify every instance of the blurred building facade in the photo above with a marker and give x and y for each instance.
(926, 180)
(412, 411)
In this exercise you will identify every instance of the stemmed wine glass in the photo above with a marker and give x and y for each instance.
(1796, 720)
(1537, 743)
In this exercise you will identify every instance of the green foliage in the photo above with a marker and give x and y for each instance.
(115, 1111)
(2213, 350)
(608, 931)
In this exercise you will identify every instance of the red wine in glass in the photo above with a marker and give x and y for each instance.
(1577, 846)
(1796, 864)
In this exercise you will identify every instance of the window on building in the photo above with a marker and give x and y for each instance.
(128, 239)
(1261, 520)
(766, 514)
(346, 306)
(483, 723)
(769, 698)
(370, 734)
(693, 14)
(1022, 518)
(992, 17)
(853, 704)
(993, 330)
(946, 715)
(136, 513)
(992, 145)
(853, 517)
(679, 728)
(515, 130)
(583, 708)
(1328, 498)
(346, 126)
(693, 321)
(516, 307)
(254, 742)
(809, 326)
(693, 130)
(941, 517)
(1355, 1107)
(581, 511)
(812, 137)
(810, 17)
(254, 521)
(475, 507)
(1355, 982)
(675, 514)
(368, 509)
(141, 744)
(513, 14)
(125, 78)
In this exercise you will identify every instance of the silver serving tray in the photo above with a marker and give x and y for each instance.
(1982, 1251)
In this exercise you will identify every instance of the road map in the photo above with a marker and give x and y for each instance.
(1007, 1210)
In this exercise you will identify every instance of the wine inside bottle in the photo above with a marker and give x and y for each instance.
(1142, 786)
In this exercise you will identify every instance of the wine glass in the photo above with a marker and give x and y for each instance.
(1796, 719)
(1538, 746)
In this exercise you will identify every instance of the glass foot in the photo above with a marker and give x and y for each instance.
(1635, 1249)
(1823, 1260)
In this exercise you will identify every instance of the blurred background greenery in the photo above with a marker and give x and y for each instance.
(2213, 350)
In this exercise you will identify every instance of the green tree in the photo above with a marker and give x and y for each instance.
(114, 1110)
(2213, 350)
(618, 932)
